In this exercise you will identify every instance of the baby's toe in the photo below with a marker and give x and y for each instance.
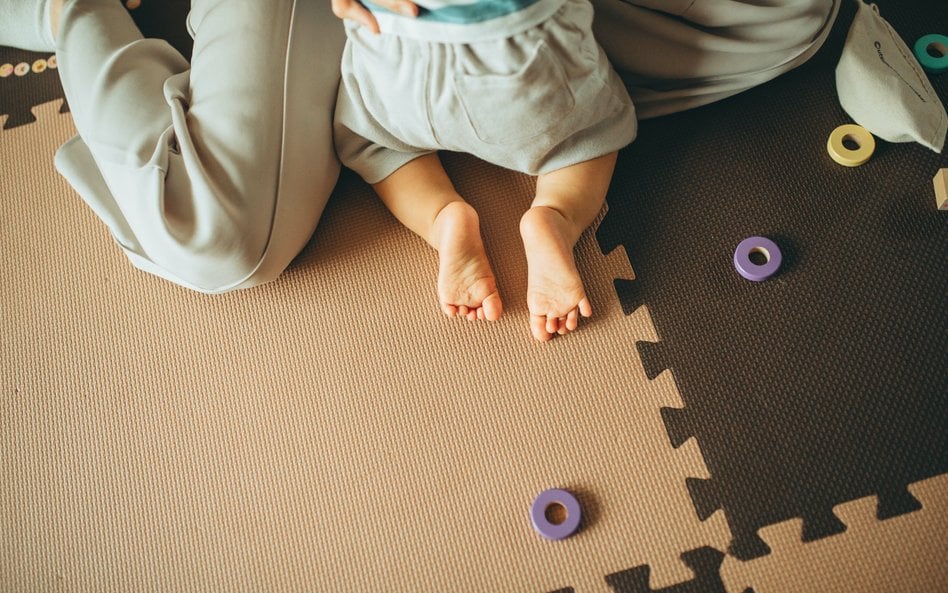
(492, 307)
(585, 308)
(552, 324)
(561, 326)
(538, 328)
(572, 320)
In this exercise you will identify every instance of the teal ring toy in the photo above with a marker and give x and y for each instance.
(929, 62)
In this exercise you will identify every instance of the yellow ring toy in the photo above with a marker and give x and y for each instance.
(858, 135)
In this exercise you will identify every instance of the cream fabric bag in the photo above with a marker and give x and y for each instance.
(883, 88)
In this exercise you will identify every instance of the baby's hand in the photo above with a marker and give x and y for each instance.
(353, 10)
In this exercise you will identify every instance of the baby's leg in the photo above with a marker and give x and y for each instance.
(567, 202)
(421, 196)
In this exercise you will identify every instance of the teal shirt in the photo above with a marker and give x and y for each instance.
(477, 12)
(464, 21)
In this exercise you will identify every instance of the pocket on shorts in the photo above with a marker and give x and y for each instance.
(510, 108)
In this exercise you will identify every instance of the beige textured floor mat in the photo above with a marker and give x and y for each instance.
(331, 431)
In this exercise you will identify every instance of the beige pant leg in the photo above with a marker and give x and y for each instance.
(211, 174)
(680, 54)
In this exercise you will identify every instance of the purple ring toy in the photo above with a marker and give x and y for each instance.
(748, 269)
(544, 526)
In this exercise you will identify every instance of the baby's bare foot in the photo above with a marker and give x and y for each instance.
(555, 294)
(466, 285)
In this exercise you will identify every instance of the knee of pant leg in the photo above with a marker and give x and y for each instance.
(236, 257)
(240, 268)
(222, 269)
(189, 276)
(211, 254)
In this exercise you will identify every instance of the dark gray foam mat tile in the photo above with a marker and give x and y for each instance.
(826, 383)
(19, 94)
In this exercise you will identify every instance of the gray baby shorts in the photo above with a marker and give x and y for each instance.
(534, 102)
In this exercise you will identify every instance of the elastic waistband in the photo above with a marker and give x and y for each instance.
(467, 23)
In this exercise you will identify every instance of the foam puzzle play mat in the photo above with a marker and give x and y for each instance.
(760, 402)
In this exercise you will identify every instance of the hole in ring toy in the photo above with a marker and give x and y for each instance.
(931, 51)
(757, 245)
(555, 514)
(852, 135)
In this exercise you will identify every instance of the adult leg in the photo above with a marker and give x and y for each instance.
(26, 24)
(679, 54)
(212, 174)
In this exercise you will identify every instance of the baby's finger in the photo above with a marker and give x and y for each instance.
(352, 10)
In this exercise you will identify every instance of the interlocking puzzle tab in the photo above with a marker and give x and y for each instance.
(705, 562)
(905, 553)
(941, 189)
(24, 90)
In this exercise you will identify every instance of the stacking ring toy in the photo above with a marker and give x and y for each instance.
(938, 43)
(858, 135)
(546, 527)
(748, 269)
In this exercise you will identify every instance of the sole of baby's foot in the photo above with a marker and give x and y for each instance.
(556, 297)
(466, 284)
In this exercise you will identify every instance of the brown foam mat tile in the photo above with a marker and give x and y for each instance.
(329, 431)
(905, 553)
